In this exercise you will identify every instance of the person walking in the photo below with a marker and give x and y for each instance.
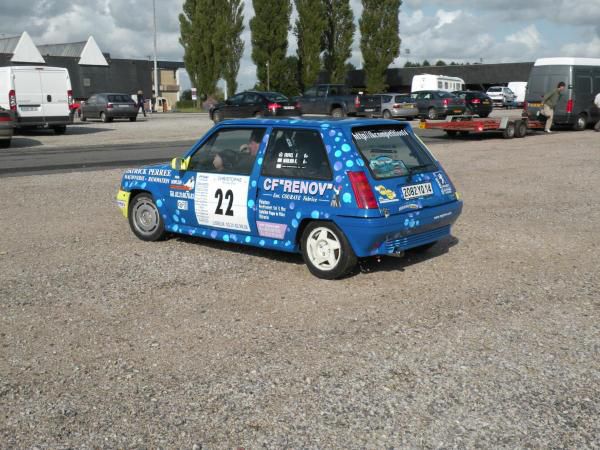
(550, 101)
(140, 102)
(597, 103)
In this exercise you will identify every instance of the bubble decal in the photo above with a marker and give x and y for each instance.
(175, 217)
(213, 234)
(338, 153)
(226, 237)
(314, 214)
(298, 215)
(345, 148)
(337, 166)
(175, 227)
(332, 133)
(349, 163)
(338, 179)
(248, 239)
(159, 203)
(250, 203)
(347, 198)
(259, 161)
(292, 205)
(253, 184)
(261, 243)
(294, 223)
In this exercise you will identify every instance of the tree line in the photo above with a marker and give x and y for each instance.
(211, 33)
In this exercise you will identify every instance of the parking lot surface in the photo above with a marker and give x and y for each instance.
(490, 339)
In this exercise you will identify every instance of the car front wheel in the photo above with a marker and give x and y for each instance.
(432, 114)
(145, 219)
(326, 251)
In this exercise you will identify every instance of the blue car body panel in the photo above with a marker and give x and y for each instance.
(277, 208)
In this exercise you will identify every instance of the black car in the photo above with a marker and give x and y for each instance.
(107, 107)
(437, 104)
(254, 104)
(476, 102)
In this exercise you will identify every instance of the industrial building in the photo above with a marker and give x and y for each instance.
(92, 70)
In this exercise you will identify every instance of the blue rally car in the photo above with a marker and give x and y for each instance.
(334, 190)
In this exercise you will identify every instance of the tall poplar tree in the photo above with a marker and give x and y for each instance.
(269, 29)
(234, 45)
(337, 38)
(309, 27)
(379, 41)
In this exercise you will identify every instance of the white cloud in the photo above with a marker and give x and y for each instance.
(529, 37)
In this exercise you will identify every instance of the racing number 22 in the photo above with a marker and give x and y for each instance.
(228, 197)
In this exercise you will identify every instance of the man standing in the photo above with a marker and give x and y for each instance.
(140, 102)
(597, 103)
(550, 101)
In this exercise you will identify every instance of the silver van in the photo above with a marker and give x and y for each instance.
(576, 105)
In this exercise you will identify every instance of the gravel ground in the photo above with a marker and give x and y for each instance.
(153, 128)
(489, 340)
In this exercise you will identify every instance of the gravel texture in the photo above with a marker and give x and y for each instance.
(489, 340)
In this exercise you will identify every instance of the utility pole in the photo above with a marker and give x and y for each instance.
(155, 63)
(268, 78)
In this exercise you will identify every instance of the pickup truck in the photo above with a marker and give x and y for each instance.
(337, 101)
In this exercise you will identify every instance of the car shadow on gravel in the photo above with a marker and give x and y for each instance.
(71, 130)
(410, 258)
(22, 142)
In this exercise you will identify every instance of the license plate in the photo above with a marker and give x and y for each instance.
(369, 109)
(457, 111)
(29, 108)
(408, 106)
(486, 102)
(417, 190)
(422, 125)
(535, 105)
(288, 107)
(123, 106)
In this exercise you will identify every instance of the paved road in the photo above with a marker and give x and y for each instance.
(27, 161)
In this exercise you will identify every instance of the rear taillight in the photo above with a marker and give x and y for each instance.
(109, 106)
(396, 106)
(70, 97)
(12, 100)
(476, 101)
(570, 106)
(357, 102)
(5, 119)
(297, 105)
(445, 102)
(362, 190)
(524, 105)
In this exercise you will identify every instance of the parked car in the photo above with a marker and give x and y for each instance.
(107, 107)
(254, 104)
(333, 190)
(519, 88)
(39, 96)
(398, 106)
(476, 102)
(438, 104)
(7, 125)
(336, 100)
(576, 105)
(501, 96)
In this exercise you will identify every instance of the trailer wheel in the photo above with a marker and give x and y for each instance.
(520, 129)
(509, 131)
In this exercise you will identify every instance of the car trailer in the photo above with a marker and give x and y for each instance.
(463, 125)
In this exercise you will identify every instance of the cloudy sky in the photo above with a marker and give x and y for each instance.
(452, 30)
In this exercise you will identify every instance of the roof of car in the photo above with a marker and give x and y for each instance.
(316, 122)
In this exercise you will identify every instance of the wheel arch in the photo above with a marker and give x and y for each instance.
(308, 220)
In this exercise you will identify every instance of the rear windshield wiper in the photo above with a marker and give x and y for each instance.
(415, 169)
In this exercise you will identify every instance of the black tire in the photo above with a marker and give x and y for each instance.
(319, 240)
(509, 131)
(338, 112)
(132, 119)
(463, 133)
(217, 116)
(451, 133)
(60, 129)
(387, 114)
(82, 117)
(520, 129)
(581, 122)
(145, 219)
(4, 143)
(432, 114)
(103, 117)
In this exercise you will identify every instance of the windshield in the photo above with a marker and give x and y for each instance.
(275, 97)
(391, 151)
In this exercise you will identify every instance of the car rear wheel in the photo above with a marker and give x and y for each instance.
(103, 117)
(387, 114)
(326, 251)
(145, 219)
(451, 133)
(432, 114)
(5, 143)
(82, 117)
(337, 112)
(581, 123)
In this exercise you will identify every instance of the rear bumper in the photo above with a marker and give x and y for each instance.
(23, 122)
(394, 234)
(408, 112)
(6, 132)
(121, 114)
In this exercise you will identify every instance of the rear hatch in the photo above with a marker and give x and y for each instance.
(453, 103)
(368, 104)
(404, 102)
(280, 105)
(121, 103)
(404, 175)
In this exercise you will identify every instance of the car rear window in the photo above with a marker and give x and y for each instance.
(391, 151)
(443, 94)
(120, 99)
(403, 99)
(275, 97)
(495, 89)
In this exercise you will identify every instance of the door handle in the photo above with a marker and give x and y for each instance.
(49, 98)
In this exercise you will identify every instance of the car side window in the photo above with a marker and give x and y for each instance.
(250, 98)
(228, 151)
(386, 98)
(92, 99)
(236, 99)
(322, 91)
(310, 92)
(333, 90)
(296, 153)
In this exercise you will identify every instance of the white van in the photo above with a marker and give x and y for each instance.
(428, 82)
(519, 88)
(40, 96)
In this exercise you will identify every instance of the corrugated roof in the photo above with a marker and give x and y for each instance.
(7, 45)
(71, 49)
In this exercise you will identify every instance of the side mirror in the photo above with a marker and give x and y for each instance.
(180, 163)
